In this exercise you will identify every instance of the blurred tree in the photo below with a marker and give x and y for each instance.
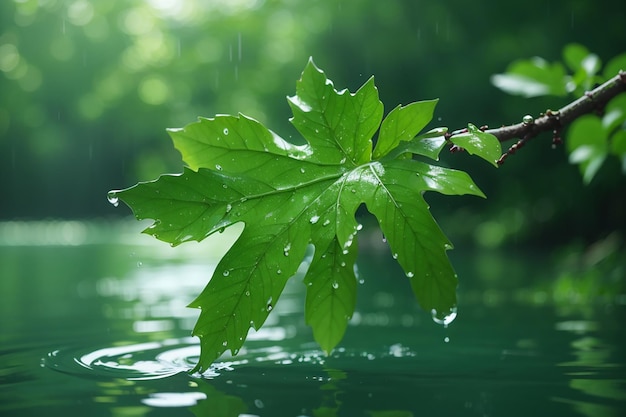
(87, 89)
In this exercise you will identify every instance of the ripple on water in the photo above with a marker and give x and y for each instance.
(156, 360)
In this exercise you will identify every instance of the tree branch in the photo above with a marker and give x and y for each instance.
(555, 121)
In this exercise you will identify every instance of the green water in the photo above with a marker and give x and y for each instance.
(93, 323)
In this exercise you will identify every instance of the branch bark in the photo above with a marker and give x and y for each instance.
(555, 121)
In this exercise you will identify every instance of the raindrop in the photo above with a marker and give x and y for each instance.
(228, 208)
(395, 256)
(361, 281)
(224, 186)
(286, 249)
(225, 343)
(314, 219)
(278, 272)
(359, 227)
(226, 272)
(445, 320)
(446, 339)
(346, 251)
(343, 264)
(269, 307)
(410, 274)
(326, 222)
(302, 170)
(226, 131)
(247, 293)
(335, 285)
(113, 198)
(528, 119)
(259, 403)
(218, 167)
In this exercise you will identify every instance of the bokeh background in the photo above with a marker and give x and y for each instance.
(88, 88)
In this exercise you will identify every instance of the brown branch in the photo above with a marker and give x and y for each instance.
(555, 121)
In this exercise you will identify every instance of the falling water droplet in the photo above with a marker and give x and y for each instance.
(113, 198)
(444, 319)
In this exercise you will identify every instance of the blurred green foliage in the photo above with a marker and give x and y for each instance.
(87, 89)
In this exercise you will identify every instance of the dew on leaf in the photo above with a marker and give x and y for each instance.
(225, 343)
(228, 208)
(226, 131)
(410, 274)
(113, 198)
(444, 319)
(314, 219)
(395, 256)
(326, 222)
(302, 170)
(286, 249)
(218, 167)
(226, 272)
(335, 284)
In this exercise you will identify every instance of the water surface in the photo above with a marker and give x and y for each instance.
(93, 321)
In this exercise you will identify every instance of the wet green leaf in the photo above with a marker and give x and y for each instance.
(291, 197)
(480, 143)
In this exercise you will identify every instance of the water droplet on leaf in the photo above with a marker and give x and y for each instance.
(113, 198)
(326, 222)
(226, 131)
(218, 167)
(314, 219)
(410, 274)
(226, 272)
(335, 284)
(444, 319)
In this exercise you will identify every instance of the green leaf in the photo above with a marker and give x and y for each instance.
(532, 78)
(587, 144)
(613, 67)
(403, 124)
(291, 197)
(337, 125)
(480, 143)
(618, 147)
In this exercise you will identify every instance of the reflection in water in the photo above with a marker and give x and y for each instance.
(594, 373)
(115, 320)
